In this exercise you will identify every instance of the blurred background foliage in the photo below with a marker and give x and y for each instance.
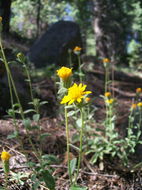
(109, 28)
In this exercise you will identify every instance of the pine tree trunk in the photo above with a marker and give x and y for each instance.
(109, 29)
(99, 30)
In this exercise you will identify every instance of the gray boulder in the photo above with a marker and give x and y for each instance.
(52, 47)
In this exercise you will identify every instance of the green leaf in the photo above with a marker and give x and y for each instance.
(48, 179)
(75, 147)
(73, 165)
(27, 80)
(70, 113)
(43, 103)
(69, 106)
(79, 122)
(1, 188)
(62, 90)
(27, 123)
(29, 111)
(31, 164)
(78, 188)
(50, 158)
(35, 185)
(137, 166)
(34, 127)
(13, 135)
(36, 117)
(99, 130)
(42, 136)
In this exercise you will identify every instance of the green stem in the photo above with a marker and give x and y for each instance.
(81, 142)
(70, 59)
(140, 119)
(12, 85)
(112, 81)
(29, 81)
(106, 79)
(6, 181)
(10, 78)
(38, 153)
(80, 70)
(10, 90)
(68, 146)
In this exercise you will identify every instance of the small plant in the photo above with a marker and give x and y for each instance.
(5, 156)
(77, 51)
(106, 63)
(108, 140)
(41, 171)
(75, 95)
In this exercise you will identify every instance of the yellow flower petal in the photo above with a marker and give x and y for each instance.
(79, 100)
(88, 92)
(65, 100)
(70, 102)
(75, 94)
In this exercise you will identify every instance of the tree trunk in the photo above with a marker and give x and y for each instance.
(38, 17)
(110, 29)
(101, 41)
(5, 10)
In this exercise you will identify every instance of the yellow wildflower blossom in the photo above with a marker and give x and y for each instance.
(5, 156)
(0, 19)
(75, 94)
(107, 94)
(77, 49)
(64, 73)
(106, 60)
(133, 106)
(110, 101)
(139, 104)
(138, 90)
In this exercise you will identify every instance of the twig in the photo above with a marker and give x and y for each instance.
(89, 173)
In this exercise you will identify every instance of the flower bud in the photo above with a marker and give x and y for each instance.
(5, 156)
(77, 50)
(138, 90)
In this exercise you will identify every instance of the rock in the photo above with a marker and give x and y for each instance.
(53, 45)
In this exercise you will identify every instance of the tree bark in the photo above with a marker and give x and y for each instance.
(110, 29)
(5, 10)
(101, 41)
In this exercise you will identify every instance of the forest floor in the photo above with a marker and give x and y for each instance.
(111, 177)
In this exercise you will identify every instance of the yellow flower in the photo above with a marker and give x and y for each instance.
(0, 19)
(110, 101)
(139, 104)
(133, 106)
(138, 90)
(64, 73)
(77, 49)
(75, 94)
(107, 94)
(106, 60)
(87, 99)
(5, 156)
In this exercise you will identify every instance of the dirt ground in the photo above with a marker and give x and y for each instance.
(111, 177)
